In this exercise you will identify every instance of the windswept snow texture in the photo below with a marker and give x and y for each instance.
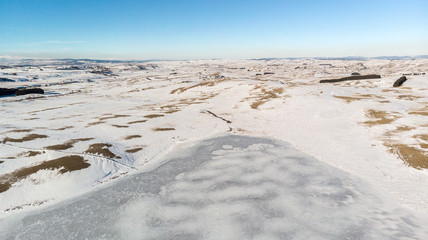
(231, 187)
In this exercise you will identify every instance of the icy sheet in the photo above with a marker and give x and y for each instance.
(231, 187)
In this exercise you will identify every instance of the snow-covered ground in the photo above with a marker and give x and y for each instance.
(121, 118)
(230, 187)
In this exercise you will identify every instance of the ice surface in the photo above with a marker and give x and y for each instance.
(230, 187)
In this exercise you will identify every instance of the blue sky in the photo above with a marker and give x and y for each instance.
(188, 29)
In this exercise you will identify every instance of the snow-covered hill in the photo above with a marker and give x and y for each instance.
(100, 121)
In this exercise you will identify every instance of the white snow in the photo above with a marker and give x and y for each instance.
(294, 107)
(255, 189)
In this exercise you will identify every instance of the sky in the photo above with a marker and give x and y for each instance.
(204, 29)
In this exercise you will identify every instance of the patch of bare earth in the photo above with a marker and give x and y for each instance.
(134, 150)
(414, 157)
(64, 164)
(202, 84)
(120, 126)
(113, 116)
(178, 105)
(95, 123)
(163, 129)
(153, 116)
(358, 97)
(33, 153)
(101, 149)
(68, 144)
(265, 95)
(63, 128)
(28, 137)
(423, 111)
(379, 117)
(410, 154)
(138, 121)
(19, 130)
(132, 137)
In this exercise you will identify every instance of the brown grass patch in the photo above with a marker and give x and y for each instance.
(169, 111)
(65, 164)
(358, 97)
(33, 153)
(132, 136)
(26, 138)
(113, 116)
(20, 130)
(414, 157)
(153, 116)
(163, 129)
(63, 128)
(381, 117)
(266, 95)
(139, 121)
(202, 84)
(134, 150)
(120, 126)
(422, 136)
(101, 149)
(404, 128)
(348, 99)
(423, 145)
(68, 144)
(95, 123)
(423, 111)
(408, 97)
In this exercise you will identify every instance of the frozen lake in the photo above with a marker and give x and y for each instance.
(230, 187)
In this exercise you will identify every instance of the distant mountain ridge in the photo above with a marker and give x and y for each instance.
(360, 58)
(78, 61)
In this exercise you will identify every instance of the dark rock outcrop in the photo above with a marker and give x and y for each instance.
(400, 81)
(25, 91)
(7, 91)
(21, 91)
(360, 77)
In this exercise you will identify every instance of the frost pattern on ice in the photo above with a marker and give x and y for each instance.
(231, 187)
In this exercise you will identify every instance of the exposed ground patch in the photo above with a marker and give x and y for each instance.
(153, 116)
(113, 116)
(120, 126)
(357, 97)
(95, 123)
(132, 137)
(202, 84)
(138, 121)
(423, 111)
(163, 129)
(380, 117)
(414, 157)
(68, 144)
(19, 130)
(101, 149)
(63, 128)
(26, 138)
(64, 164)
(134, 150)
(265, 96)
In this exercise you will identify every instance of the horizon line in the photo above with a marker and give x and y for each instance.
(388, 57)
